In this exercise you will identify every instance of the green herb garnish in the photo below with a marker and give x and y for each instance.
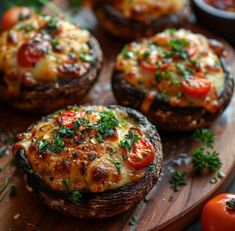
(127, 53)
(107, 123)
(152, 168)
(220, 175)
(75, 197)
(58, 144)
(43, 146)
(204, 160)
(65, 131)
(129, 139)
(117, 164)
(178, 179)
(205, 136)
(86, 57)
(99, 138)
(81, 122)
(66, 182)
(213, 180)
(133, 221)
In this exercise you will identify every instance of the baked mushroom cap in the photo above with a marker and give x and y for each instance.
(137, 19)
(84, 161)
(178, 79)
(47, 63)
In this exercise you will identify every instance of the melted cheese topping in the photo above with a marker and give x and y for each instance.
(64, 52)
(70, 156)
(162, 64)
(148, 9)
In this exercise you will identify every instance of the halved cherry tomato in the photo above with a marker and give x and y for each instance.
(200, 74)
(67, 118)
(148, 66)
(217, 216)
(141, 154)
(13, 15)
(31, 52)
(196, 87)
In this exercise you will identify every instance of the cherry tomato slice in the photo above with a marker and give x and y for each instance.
(67, 118)
(141, 155)
(148, 66)
(31, 52)
(196, 87)
(13, 15)
(216, 216)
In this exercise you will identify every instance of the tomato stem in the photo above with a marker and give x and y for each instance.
(230, 205)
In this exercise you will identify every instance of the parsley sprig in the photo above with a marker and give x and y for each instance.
(205, 136)
(203, 160)
(178, 179)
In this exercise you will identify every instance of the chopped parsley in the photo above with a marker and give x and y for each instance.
(65, 131)
(43, 146)
(86, 57)
(58, 144)
(178, 179)
(213, 180)
(133, 221)
(75, 197)
(91, 156)
(204, 160)
(171, 31)
(184, 71)
(99, 138)
(81, 122)
(66, 182)
(117, 164)
(126, 53)
(107, 123)
(152, 168)
(220, 175)
(205, 136)
(129, 139)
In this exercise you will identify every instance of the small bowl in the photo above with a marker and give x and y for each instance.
(219, 21)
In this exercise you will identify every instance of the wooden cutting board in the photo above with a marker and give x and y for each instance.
(164, 209)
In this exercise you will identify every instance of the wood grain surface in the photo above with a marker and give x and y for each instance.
(164, 209)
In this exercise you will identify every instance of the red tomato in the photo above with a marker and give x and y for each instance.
(196, 87)
(67, 118)
(31, 52)
(13, 15)
(148, 66)
(200, 74)
(217, 216)
(141, 154)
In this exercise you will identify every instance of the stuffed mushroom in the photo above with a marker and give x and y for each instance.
(177, 78)
(139, 18)
(90, 161)
(47, 63)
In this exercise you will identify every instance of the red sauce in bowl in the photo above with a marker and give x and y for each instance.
(226, 5)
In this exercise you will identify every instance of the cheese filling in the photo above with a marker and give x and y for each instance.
(148, 9)
(43, 49)
(85, 148)
(177, 66)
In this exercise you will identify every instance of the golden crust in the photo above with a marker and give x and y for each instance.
(68, 157)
